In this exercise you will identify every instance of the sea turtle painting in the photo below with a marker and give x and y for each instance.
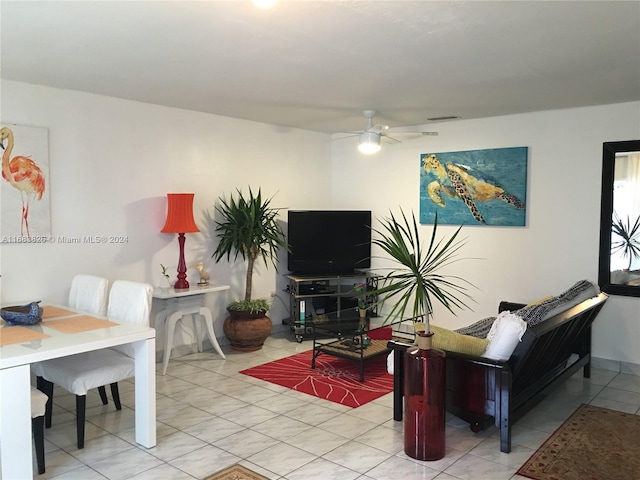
(470, 184)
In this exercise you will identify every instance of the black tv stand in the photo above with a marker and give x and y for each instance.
(323, 297)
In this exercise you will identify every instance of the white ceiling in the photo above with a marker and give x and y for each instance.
(317, 64)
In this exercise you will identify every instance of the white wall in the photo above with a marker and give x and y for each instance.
(558, 245)
(113, 161)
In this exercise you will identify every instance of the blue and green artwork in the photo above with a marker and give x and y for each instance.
(474, 187)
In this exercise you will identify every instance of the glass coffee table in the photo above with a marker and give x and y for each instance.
(350, 339)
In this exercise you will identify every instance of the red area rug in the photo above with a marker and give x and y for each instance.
(333, 379)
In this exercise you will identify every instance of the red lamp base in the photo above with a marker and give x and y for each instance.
(182, 283)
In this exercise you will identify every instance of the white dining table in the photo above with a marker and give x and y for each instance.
(15, 380)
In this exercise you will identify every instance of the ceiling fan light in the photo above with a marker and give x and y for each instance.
(369, 143)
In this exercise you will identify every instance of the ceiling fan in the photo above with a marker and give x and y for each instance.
(369, 142)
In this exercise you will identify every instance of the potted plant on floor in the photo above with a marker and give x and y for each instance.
(248, 228)
(413, 285)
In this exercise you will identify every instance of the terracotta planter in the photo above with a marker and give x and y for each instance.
(247, 331)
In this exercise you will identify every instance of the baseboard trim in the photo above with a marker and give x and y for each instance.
(181, 350)
(616, 366)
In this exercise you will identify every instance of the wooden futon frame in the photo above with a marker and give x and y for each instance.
(482, 391)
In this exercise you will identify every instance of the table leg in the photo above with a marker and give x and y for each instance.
(171, 328)
(196, 331)
(145, 385)
(15, 423)
(208, 321)
(398, 383)
(161, 319)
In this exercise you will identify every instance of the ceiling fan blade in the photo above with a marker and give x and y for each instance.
(345, 136)
(407, 135)
(389, 139)
(410, 131)
(384, 132)
(380, 128)
(416, 134)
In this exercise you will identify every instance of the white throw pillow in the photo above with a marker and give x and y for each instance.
(505, 333)
(390, 363)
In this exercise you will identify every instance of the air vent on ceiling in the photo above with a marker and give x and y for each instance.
(449, 117)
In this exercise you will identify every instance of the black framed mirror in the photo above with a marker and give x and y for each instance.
(619, 267)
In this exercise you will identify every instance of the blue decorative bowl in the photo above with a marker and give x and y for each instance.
(29, 314)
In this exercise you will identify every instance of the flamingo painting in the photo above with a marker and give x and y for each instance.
(24, 175)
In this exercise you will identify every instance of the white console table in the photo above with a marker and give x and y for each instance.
(180, 303)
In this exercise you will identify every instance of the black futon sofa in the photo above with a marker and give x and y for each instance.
(482, 391)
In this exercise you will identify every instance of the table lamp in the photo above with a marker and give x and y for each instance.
(180, 220)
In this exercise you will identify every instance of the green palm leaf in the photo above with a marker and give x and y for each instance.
(248, 228)
(416, 282)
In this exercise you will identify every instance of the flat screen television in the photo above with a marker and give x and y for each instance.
(329, 241)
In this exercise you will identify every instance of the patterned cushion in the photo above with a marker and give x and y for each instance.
(540, 310)
(480, 329)
(539, 301)
(536, 313)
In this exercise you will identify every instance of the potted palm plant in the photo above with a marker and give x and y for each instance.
(414, 284)
(416, 280)
(248, 228)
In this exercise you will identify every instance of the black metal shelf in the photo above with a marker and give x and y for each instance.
(325, 298)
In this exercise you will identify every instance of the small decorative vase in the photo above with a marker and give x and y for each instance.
(424, 400)
(165, 284)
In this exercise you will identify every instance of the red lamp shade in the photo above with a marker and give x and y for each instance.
(180, 214)
(180, 220)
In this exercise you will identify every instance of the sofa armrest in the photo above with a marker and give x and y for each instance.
(488, 362)
(397, 345)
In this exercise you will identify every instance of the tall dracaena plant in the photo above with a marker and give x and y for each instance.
(628, 242)
(248, 228)
(417, 282)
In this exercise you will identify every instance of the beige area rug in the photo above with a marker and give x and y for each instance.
(593, 444)
(236, 472)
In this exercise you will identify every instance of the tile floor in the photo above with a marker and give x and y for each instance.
(210, 416)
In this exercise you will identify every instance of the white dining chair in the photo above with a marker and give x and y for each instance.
(88, 294)
(128, 302)
(38, 408)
